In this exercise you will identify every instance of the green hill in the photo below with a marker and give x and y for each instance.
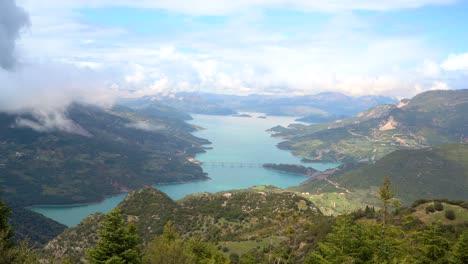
(265, 225)
(429, 173)
(246, 217)
(428, 119)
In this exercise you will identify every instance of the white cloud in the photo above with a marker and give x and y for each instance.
(429, 69)
(440, 86)
(458, 62)
(51, 120)
(344, 54)
(51, 87)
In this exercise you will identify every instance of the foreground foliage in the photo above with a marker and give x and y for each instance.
(169, 248)
(118, 242)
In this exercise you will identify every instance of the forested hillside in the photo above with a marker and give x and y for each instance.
(102, 153)
(267, 225)
(429, 119)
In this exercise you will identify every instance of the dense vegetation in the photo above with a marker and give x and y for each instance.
(437, 172)
(33, 227)
(291, 168)
(268, 225)
(112, 150)
(428, 119)
(96, 152)
(256, 216)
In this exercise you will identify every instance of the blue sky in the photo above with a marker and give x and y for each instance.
(397, 48)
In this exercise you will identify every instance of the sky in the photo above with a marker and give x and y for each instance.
(57, 51)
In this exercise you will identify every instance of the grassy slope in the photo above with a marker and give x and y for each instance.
(439, 216)
(439, 172)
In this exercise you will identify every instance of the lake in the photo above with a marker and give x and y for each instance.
(234, 140)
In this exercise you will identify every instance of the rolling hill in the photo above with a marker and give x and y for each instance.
(429, 173)
(244, 217)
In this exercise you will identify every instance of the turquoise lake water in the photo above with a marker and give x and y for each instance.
(234, 139)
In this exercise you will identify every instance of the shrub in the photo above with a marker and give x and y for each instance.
(438, 206)
(234, 258)
(450, 215)
(430, 209)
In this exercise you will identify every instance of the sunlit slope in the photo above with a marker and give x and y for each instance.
(429, 173)
(429, 119)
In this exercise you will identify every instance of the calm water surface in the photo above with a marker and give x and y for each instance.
(234, 139)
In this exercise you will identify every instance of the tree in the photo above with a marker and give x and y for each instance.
(9, 252)
(118, 242)
(387, 197)
(434, 246)
(170, 249)
(6, 231)
(349, 242)
(460, 249)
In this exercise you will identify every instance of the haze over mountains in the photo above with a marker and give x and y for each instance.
(313, 108)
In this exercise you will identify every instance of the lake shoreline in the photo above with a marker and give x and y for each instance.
(29, 207)
(251, 144)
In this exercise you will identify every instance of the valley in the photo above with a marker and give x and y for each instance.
(233, 132)
(256, 200)
(250, 144)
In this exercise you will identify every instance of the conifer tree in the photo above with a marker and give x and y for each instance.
(434, 245)
(5, 230)
(10, 253)
(460, 249)
(118, 242)
(386, 196)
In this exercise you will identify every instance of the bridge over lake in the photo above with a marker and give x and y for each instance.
(232, 164)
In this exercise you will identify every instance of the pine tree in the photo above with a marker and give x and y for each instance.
(6, 231)
(169, 248)
(9, 252)
(118, 242)
(347, 243)
(386, 196)
(460, 249)
(434, 246)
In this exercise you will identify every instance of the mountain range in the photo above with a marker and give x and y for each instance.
(313, 108)
(429, 119)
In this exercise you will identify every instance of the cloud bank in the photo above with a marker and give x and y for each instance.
(238, 47)
(44, 88)
(12, 20)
